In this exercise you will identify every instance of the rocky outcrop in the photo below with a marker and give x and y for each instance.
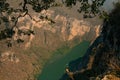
(9, 56)
(102, 59)
(66, 27)
(35, 39)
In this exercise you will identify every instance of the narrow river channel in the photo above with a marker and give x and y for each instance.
(55, 67)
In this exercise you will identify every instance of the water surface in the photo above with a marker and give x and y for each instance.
(55, 67)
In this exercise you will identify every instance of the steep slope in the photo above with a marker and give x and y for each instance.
(23, 55)
(102, 59)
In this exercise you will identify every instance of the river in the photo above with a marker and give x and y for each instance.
(55, 67)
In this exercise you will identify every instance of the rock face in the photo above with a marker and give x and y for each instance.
(102, 59)
(35, 40)
(65, 26)
(10, 56)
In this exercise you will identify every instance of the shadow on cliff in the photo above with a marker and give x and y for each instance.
(103, 56)
(81, 63)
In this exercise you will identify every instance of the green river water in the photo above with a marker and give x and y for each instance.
(55, 67)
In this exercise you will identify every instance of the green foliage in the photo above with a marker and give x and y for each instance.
(115, 14)
(90, 8)
(6, 33)
(111, 28)
(104, 15)
(38, 5)
(70, 2)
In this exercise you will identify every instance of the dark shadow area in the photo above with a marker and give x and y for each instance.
(103, 56)
(6, 33)
(81, 63)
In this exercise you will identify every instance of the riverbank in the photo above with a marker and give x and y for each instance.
(55, 67)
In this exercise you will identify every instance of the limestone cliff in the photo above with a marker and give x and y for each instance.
(26, 53)
(102, 59)
(65, 27)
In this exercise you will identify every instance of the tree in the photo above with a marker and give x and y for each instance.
(86, 7)
(6, 10)
(90, 7)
